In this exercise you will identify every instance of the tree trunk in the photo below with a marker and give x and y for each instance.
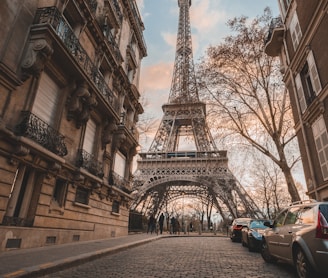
(293, 192)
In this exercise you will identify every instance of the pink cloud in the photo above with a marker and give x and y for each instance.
(156, 77)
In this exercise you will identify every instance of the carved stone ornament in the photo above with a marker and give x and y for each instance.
(37, 54)
(107, 136)
(119, 140)
(80, 104)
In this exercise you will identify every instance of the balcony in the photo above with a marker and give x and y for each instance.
(90, 163)
(129, 128)
(120, 182)
(39, 131)
(64, 32)
(273, 42)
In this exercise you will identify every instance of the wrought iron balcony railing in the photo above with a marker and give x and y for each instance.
(129, 126)
(92, 5)
(116, 8)
(53, 17)
(90, 163)
(119, 181)
(39, 131)
(275, 23)
(137, 15)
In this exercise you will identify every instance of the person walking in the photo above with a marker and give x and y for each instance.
(151, 224)
(161, 222)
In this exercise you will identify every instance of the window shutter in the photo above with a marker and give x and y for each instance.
(295, 30)
(283, 8)
(314, 73)
(321, 141)
(300, 93)
(46, 100)
(89, 136)
(119, 164)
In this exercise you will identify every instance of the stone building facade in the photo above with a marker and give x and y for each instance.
(300, 37)
(69, 103)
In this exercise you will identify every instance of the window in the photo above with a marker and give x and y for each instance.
(284, 5)
(300, 93)
(308, 83)
(292, 216)
(307, 216)
(295, 31)
(131, 72)
(89, 137)
(321, 142)
(46, 99)
(82, 195)
(313, 73)
(116, 206)
(59, 194)
(119, 164)
(280, 219)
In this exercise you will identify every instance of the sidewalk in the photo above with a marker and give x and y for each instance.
(35, 261)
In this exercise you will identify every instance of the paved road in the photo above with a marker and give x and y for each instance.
(191, 257)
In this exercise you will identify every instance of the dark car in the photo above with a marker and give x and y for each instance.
(299, 236)
(251, 234)
(235, 228)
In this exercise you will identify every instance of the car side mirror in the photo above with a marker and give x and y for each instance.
(268, 224)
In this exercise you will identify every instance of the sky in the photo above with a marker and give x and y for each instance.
(208, 20)
(208, 27)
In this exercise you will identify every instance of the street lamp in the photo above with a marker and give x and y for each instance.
(183, 224)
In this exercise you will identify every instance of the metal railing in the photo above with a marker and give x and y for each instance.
(90, 163)
(52, 16)
(39, 131)
(275, 23)
(181, 154)
(119, 181)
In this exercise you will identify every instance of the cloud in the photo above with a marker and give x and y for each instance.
(156, 77)
(169, 38)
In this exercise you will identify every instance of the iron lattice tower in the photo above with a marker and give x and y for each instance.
(164, 173)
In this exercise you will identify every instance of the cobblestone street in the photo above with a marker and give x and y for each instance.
(181, 257)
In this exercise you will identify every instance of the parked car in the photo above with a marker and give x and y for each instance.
(235, 228)
(299, 236)
(251, 234)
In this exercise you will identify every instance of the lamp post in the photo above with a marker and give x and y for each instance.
(183, 223)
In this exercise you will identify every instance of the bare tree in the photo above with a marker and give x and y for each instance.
(146, 125)
(268, 189)
(247, 94)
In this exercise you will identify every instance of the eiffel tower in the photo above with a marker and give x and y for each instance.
(166, 173)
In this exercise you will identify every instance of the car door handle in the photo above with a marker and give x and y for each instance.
(290, 232)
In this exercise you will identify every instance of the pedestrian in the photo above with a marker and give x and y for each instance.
(151, 224)
(161, 223)
(172, 230)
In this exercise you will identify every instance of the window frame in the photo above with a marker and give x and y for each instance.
(116, 207)
(82, 195)
(47, 100)
(307, 82)
(320, 136)
(59, 192)
(90, 145)
(295, 31)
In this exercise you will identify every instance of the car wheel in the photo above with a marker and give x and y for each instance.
(303, 267)
(265, 253)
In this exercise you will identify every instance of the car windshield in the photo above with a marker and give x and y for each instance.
(257, 225)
